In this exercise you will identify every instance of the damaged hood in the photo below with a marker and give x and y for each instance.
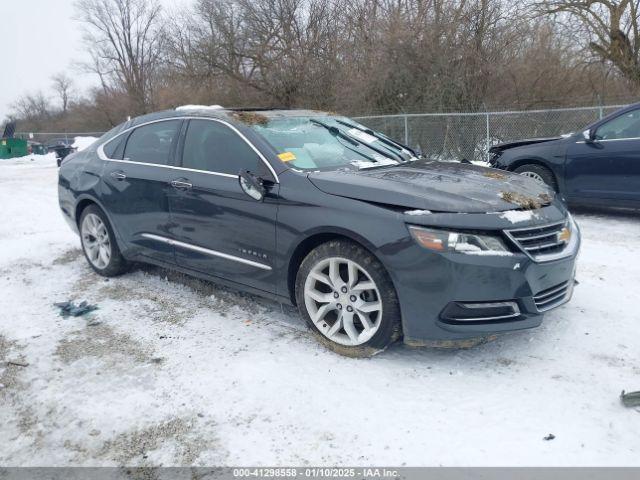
(437, 186)
(521, 143)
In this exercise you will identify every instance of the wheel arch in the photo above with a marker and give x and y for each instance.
(535, 161)
(86, 200)
(313, 240)
(81, 206)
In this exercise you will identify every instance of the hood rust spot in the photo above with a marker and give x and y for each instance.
(251, 118)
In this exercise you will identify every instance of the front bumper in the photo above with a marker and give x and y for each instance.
(443, 296)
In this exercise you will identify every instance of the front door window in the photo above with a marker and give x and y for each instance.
(624, 126)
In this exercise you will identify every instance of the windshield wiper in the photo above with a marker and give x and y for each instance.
(389, 155)
(336, 132)
(383, 138)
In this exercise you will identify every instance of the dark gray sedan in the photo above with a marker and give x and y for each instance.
(372, 243)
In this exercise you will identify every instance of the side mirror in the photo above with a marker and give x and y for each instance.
(252, 185)
(589, 135)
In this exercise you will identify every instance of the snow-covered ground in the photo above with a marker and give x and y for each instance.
(80, 143)
(175, 371)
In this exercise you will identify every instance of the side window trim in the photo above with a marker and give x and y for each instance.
(121, 137)
(274, 176)
(128, 132)
(180, 152)
(172, 151)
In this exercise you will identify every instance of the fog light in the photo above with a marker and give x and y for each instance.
(469, 312)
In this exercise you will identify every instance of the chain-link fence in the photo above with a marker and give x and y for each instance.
(469, 135)
(55, 138)
(446, 135)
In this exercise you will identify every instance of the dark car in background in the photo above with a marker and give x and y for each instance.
(62, 147)
(370, 242)
(599, 166)
(37, 148)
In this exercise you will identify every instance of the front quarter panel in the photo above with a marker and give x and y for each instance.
(425, 281)
(305, 212)
(549, 154)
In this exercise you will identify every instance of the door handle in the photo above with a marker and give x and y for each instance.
(118, 175)
(181, 184)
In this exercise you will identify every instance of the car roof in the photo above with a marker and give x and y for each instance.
(243, 115)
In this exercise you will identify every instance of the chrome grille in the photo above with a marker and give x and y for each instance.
(552, 297)
(539, 242)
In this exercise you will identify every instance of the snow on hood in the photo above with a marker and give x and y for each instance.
(518, 216)
(416, 213)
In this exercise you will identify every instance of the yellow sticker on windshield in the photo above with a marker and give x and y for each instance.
(286, 156)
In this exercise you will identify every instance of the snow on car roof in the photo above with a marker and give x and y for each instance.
(199, 107)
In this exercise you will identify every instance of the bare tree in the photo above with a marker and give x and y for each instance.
(124, 38)
(63, 86)
(611, 27)
(32, 105)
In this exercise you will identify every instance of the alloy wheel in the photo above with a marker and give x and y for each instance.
(534, 176)
(96, 241)
(343, 301)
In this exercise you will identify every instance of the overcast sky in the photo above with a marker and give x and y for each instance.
(40, 38)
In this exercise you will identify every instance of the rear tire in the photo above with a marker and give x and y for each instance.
(348, 300)
(99, 243)
(539, 173)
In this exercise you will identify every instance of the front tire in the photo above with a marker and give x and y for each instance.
(538, 173)
(99, 244)
(348, 300)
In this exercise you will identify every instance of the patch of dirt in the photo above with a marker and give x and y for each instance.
(506, 362)
(545, 198)
(610, 360)
(214, 296)
(136, 443)
(68, 257)
(523, 201)
(103, 342)
(153, 305)
(21, 268)
(28, 420)
(251, 118)
(496, 175)
(9, 373)
(87, 280)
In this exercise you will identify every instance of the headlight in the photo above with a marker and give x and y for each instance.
(445, 241)
(567, 231)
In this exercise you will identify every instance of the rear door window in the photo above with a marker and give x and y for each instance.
(152, 143)
(115, 148)
(213, 147)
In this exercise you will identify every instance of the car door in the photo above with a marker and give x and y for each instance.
(218, 229)
(136, 182)
(607, 168)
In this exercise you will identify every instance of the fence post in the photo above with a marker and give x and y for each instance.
(486, 159)
(406, 131)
